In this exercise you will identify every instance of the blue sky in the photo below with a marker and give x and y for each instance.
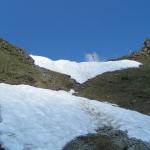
(69, 29)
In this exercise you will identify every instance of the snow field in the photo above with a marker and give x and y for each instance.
(40, 119)
(83, 71)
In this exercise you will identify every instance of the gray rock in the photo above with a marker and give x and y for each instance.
(107, 139)
(147, 43)
(1, 148)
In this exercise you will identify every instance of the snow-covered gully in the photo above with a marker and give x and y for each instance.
(82, 71)
(41, 119)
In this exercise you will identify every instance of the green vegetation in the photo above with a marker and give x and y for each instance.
(128, 88)
(17, 67)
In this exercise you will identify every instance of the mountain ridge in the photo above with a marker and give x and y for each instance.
(128, 88)
(17, 67)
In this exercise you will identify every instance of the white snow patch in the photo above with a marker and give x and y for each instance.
(40, 119)
(72, 91)
(83, 71)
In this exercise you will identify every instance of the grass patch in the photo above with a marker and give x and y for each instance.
(17, 67)
(128, 88)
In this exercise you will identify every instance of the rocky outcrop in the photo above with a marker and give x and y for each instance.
(107, 139)
(146, 49)
(142, 54)
(18, 52)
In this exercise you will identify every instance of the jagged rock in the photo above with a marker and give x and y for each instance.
(147, 43)
(145, 50)
(139, 55)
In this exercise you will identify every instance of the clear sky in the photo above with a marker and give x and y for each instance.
(69, 29)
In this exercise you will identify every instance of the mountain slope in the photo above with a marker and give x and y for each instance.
(129, 88)
(17, 67)
(42, 119)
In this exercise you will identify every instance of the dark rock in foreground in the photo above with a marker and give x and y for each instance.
(1, 148)
(107, 139)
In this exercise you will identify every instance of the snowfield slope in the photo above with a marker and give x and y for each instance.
(83, 71)
(40, 119)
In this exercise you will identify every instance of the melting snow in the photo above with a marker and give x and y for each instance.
(40, 119)
(83, 71)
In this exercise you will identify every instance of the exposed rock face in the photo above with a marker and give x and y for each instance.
(146, 49)
(144, 52)
(147, 43)
(140, 55)
(107, 139)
